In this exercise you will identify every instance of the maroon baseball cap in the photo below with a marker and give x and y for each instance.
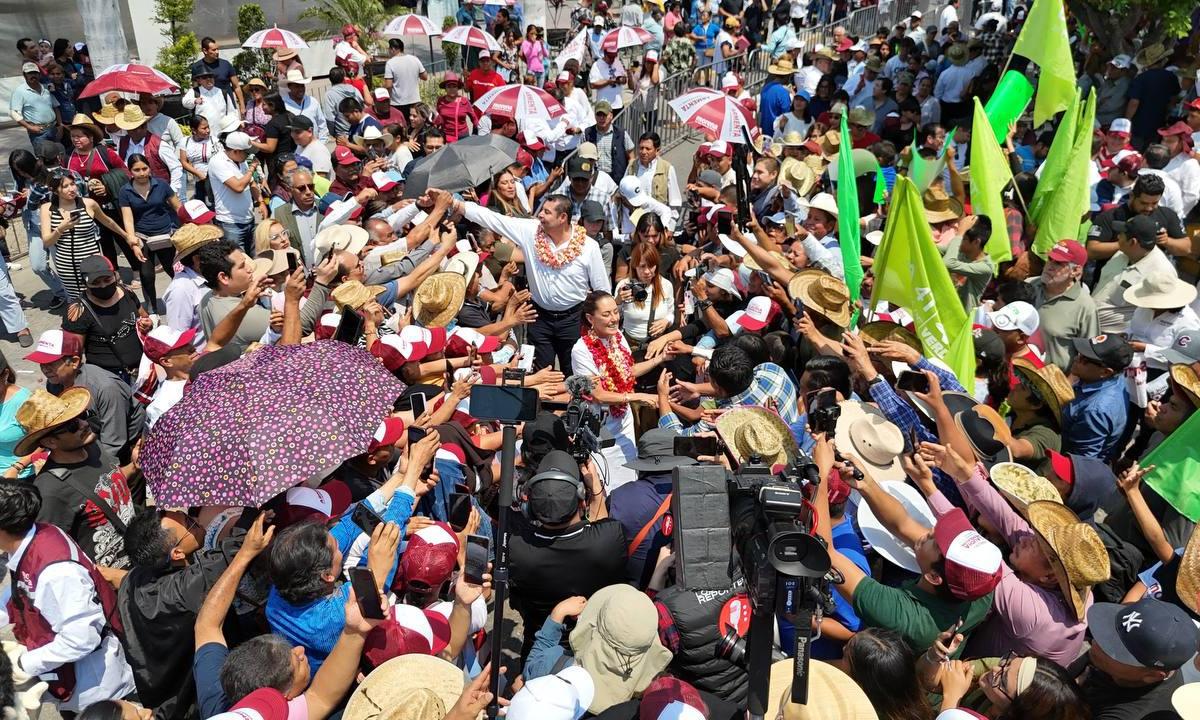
(344, 156)
(54, 345)
(1179, 128)
(972, 563)
(1131, 164)
(1068, 251)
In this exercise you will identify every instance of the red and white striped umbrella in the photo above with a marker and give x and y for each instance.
(519, 102)
(714, 113)
(471, 37)
(410, 25)
(275, 37)
(130, 78)
(624, 37)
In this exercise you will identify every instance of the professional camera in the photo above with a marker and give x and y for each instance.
(823, 411)
(582, 421)
(640, 293)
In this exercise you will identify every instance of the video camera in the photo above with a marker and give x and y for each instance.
(582, 422)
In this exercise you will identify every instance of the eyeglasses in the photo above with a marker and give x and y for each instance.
(281, 234)
(997, 680)
(304, 187)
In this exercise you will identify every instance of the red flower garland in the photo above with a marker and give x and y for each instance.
(549, 256)
(616, 368)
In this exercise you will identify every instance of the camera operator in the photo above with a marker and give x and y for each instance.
(555, 550)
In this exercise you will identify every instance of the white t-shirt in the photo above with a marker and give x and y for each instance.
(318, 155)
(231, 207)
(169, 392)
(613, 471)
(405, 73)
(601, 71)
(635, 317)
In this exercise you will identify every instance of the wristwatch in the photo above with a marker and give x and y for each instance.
(703, 305)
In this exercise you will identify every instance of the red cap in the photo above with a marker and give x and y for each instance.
(429, 557)
(844, 45)
(972, 564)
(669, 697)
(326, 502)
(1063, 467)
(525, 158)
(1068, 251)
(1193, 105)
(344, 156)
(839, 491)
(411, 630)
(459, 343)
(1179, 128)
(389, 433)
(163, 340)
(54, 345)
(1131, 164)
(267, 702)
(348, 30)
(195, 211)
(327, 325)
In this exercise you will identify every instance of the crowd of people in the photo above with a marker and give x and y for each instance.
(189, 536)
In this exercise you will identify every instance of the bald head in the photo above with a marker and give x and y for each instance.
(350, 267)
(379, 231)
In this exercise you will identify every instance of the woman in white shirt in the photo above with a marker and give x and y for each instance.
(647, 303)
(198, 148)
(796, 120)
(603, 354)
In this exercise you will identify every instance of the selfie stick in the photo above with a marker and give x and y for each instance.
(508, 456)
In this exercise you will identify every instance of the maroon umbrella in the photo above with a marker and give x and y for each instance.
(247, 431)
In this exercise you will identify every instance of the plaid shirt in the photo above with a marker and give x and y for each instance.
(770, 382)
(601, 191)
(668, 633)
(995, 47)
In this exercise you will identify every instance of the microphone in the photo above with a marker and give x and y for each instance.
(580, 386)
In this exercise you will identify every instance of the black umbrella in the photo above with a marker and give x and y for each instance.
(460, 165)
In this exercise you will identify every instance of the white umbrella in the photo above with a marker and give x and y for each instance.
(471, 36)
(1001, 21)
(520, 102)
(714, 113)
(624, 37)
(410, 25)
(572, 50)
(275, 37)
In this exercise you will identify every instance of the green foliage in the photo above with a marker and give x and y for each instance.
(176, 59)
(252, 63)
(1111, 22)
(451, 51)
(369, 16)
(173, 14)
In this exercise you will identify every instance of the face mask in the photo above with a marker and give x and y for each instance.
(104, 293)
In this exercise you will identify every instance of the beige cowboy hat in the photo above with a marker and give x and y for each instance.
(439, 298)
(131, 117)
(84, 123)
(832, 695)
(426, 684)
(825, 53)
(792, 139)
(938, 206)
(1074, 549)
(830, 143)
(822, 201)
(859, 115)
(1160, 291)
(758, 431)
(1185, 378)
(822, 293)
(865, 432)
(885, 330)
(751, 263)
(353, 294)
(1047, 382)
(466, 264)
(106, 115)
(1021, 486)
(278, 259)
(295, 76)
(782, 66)
(374, 134)
(42, 413)
(1151, 55)
(258, 82)
(191, 237)
(797, 176)
(1187, 582)
(282, 54)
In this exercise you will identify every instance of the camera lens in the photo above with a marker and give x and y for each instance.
(731, 648)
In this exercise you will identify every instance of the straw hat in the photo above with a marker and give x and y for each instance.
(823, 53)
(859, 115)
(782, 66)
(758, 431)
(107, 115)
(751, 263)
(439, 298)
(1187, 582)
(865, 432)
(278, 258)
(43, 412)
(832, 695)
(830, 142)
(282, 54)
(84, 123)
(353, 294)
(1184, 377)
(1151, 55)
(823, 293)
(792, 139)
(191, 237)
(421, 680)
(885, 330)
(131, 117)
(937, 206)
(1021, 486)
(797, 176)
(1075, 551)
(1048, 382)
(1160, 291)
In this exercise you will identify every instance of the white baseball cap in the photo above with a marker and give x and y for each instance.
(237, 141)
(730, 80)
(758, 313)
(1019, 316)
(1121, 125)
(565, 696)
(723, 278)
(382, 94)
(631, 189)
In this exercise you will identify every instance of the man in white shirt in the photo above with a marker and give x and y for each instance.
(657, 175)
(182, 297)
(949, 15)
(402, 76)
(60, 606)
(298, 102)
(231, 179)
(1163, 318)
(206, 98)
(580, 114)
(1182, 167)
(608, 78)
(807, 77)
(303, 131)
(562, 264)
(1139, 257)
(173, 351)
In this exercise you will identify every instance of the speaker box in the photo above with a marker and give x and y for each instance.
(700, 508)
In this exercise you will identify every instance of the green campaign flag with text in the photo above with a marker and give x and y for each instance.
(1044, 40)
(848, 215)
(1063, 211)
(1176, 468)
(990, 173)
(909, 272)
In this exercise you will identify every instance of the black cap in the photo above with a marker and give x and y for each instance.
(580, 167)
(95, 267)
(1142, 229)
(545, 433)
(299, 122)
(51, 150)
(591, 211)
(981, 433)
(1111, 351)
(554, 491)
(1147, 634)
(656, 452)
(988, 345)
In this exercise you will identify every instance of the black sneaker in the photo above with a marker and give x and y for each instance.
(57, 301)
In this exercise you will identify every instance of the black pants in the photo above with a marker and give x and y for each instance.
(552, 335)
(110, 242)
(164, 257)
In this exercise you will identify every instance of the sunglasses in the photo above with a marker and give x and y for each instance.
(73, 426)
(304, 187)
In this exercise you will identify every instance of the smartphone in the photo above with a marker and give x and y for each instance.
(460, 511)
(526, 361)
(477, 558)
(724, 223)
(506, 403)
(912, 380)
(350, 328)
(914, 441)
(366, 592)
(694, 447)
(520, 282)
(365, 518)
(418, 404)
(416, 435)
(818, 399)
(293, 264)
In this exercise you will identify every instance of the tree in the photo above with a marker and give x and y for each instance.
(1116, 24)
(249, 62)
(369, 16)
(450, 51)
(175, 60)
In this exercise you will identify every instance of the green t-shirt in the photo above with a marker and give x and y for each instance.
(1043, 438)
(917, 615)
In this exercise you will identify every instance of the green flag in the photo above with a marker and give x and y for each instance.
(989, 174)
(1044, 40)
(1056, 160)
(1176, 467)
(1070, 199)
(909, 272)
(848, 215)
(923, 172)
(1007, 102)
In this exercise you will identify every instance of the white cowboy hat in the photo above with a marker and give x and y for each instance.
(1160, 291)
(822, 201)
(864, 432)
(885, 543)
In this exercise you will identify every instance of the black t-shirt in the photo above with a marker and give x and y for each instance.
(733, 7)
(223, 71)
(1102, 227)
(65, 506)
(474, 314)
(277, 128)
(1112, 702)
(110, 338)
(549, 566)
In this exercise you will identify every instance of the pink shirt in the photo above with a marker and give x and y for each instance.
(1025, 619)
(452, 116)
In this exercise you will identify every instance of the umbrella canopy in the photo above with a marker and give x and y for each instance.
(131, 78)
(624, 37)
(460, 165)
(714, 113)
(519, 102)
(573, 50)
(410, 25)
(245, 432)
(275, 37)
(471, 37)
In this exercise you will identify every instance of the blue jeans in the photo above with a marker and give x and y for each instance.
(241, 233)
(50, 133)
(39, 257)
(10, 305)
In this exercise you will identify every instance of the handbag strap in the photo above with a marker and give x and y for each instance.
(641, 536)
